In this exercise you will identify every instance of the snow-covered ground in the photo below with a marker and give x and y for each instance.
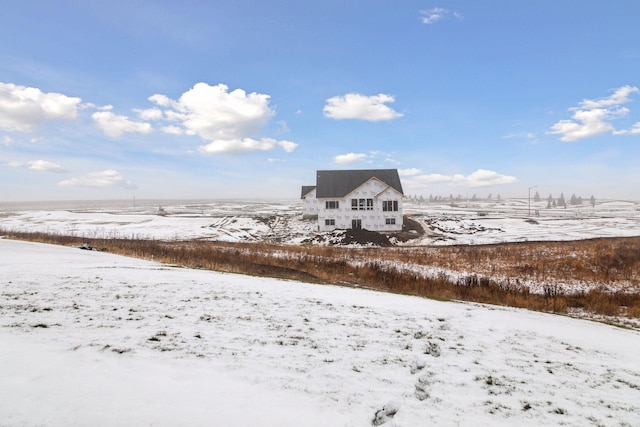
(513, 221)
(281, 220)
(231, 221)
(91, 338)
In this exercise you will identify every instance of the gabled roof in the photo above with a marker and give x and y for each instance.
(339, 183)
(306, 189)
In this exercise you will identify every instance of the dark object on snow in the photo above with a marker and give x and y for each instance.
(86, 247)
(361, 236)
(385, 414)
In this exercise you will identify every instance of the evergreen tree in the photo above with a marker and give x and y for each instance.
(593, 201)
(561, 202)
(536, 197)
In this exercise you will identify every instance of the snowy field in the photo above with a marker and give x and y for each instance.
(512, 220)
(281, 220)
(91, 338)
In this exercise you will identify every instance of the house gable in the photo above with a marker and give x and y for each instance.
(339, 183)
(306, 189)
(379, 188)
(389, 191)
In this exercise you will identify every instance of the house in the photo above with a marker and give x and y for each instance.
(369, 199)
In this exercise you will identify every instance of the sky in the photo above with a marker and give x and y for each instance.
(248, 98)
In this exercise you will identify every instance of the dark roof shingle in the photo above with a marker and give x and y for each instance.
(306, 189)
(339, 183)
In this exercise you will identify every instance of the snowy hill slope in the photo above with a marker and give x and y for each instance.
(93, 338)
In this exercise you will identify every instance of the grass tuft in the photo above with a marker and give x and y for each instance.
(499, 271)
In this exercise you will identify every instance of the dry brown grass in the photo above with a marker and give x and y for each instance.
(612, 262)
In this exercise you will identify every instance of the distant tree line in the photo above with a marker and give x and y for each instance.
(552, 202)
(451, 198)
(561, 201)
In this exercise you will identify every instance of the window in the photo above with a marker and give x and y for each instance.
(390, 221)
(390, 205)
(329, 222)
(369, 204)
(332, 204)
(361, 204)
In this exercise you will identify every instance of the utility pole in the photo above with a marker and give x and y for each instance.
(530, 188)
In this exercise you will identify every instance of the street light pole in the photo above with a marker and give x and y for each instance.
(535, 186)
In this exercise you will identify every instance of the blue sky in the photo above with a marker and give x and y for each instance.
(243, 98)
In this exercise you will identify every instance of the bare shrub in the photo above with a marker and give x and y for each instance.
(606, 261)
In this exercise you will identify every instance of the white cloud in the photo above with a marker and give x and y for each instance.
(356, 106)
(92, 106)
(431, 16)
(23, 108)
(283, 127)
(246, 145)
(174, 116)
(105, 179)
(287, 146)
(586, 123)
(38, 165)
(45, 166)
(161, 100)
(172, 130)
(620, 96)
(370, 157)
(213, 113)
(479, 178)
(592, 117)
(409, 172)
(634, 130)
(6, 140)
(115, 126)
(230, 121)
(392, 161)
(528, 136)
(484, 178)
(149, 114)
(349, 158)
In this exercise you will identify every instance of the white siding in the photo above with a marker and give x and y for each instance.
(310, 205)
(372, 216)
